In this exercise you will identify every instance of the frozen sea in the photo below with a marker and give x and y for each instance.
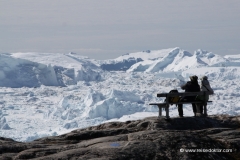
(48, 94)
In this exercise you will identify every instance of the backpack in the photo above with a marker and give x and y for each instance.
(173, 99)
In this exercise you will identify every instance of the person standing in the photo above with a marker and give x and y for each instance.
(190, 86)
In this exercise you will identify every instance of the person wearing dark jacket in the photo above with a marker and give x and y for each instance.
(190, 86)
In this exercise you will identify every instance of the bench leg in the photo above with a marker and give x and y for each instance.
(205, 109)
(160, 107)
(167, 111)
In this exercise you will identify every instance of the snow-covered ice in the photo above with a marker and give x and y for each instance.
(48, 94)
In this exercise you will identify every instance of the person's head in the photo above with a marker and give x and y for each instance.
(204, 78)
(194, 78)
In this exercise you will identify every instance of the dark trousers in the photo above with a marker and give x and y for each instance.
(194, 107)
(186, 99)
(202, 108)
(180, 109)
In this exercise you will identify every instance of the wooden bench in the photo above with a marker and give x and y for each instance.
(165, 105)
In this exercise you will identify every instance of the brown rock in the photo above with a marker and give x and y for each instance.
(214, 137)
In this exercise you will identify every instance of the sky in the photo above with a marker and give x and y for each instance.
(107, 29)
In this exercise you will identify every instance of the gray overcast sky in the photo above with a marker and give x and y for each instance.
(104, 29)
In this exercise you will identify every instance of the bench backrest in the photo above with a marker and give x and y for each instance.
(182, 94)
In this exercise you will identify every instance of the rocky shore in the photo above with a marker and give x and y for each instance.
(213, 137)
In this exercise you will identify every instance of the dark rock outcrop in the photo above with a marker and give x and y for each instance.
(213, 137)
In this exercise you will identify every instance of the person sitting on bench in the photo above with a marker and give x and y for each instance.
(190, 86)
(205, 86)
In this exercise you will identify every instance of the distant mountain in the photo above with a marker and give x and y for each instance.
(125, 61)
(209, 58)
(173, 59)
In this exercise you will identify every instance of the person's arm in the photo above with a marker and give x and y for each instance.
(208, 87)
(184, 86)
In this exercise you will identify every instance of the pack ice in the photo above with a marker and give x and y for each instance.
(47, 94)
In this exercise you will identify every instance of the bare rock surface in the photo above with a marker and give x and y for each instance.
(213, 137)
